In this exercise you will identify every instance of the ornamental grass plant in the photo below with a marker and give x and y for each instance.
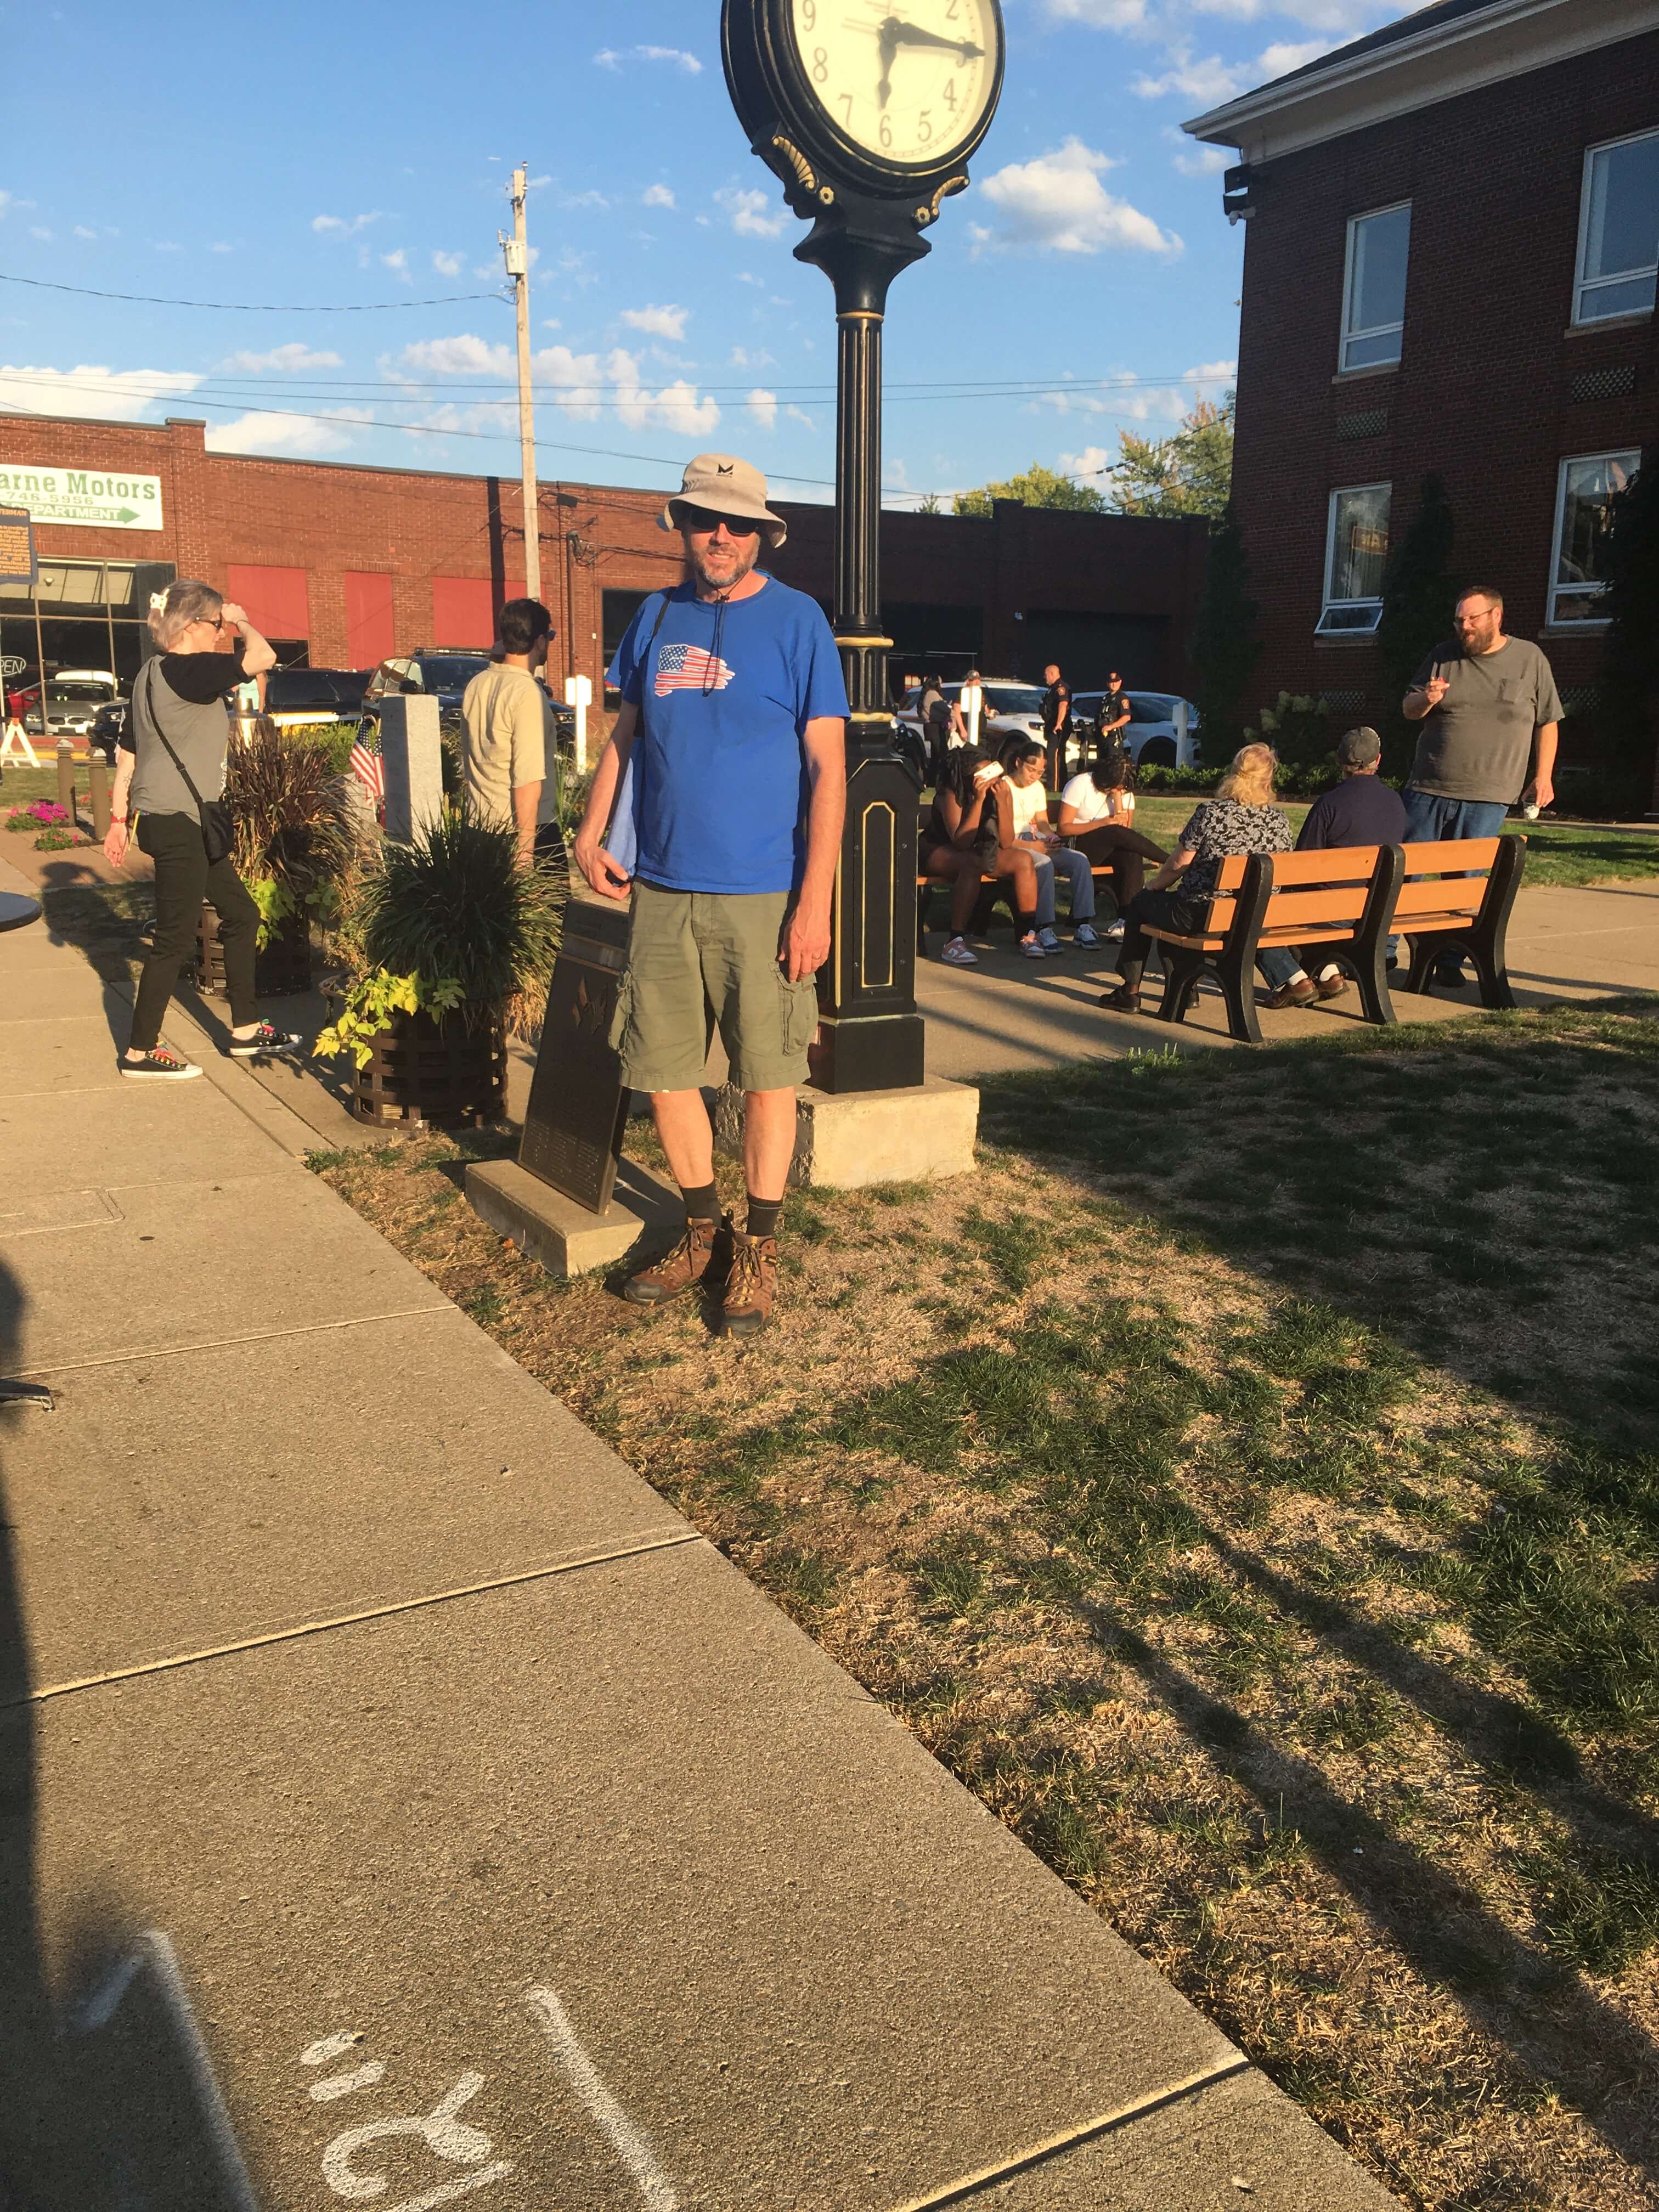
(295, 834)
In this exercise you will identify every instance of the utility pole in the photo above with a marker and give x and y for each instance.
(517, 254)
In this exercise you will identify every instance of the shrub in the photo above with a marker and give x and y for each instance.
(294, 830)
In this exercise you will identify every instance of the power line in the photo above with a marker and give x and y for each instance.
(245, 307)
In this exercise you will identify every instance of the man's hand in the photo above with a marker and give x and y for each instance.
(601, 871)
(115, 844)
(806, 943)
(1540, 792)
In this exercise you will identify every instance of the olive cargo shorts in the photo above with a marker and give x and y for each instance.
(701, 959)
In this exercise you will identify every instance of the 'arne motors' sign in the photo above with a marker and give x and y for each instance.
(94, 499)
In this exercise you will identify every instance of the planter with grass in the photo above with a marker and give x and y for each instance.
(448, 943)
(295, 841)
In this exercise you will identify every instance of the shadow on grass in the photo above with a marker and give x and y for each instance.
(1487, 1193)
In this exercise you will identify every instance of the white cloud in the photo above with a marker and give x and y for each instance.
(657, 322)
(612, 58)
(343, 226)
(448, 265)
(81, 231)
(763, 406)
(167, 246)
(587, 199)
(745, 277)
(121, 395)
(1206, 83)
(1090, 463)
(1057, 204)
(1288, 54)
(398, 262)
(657, 196)
(221, 246)
(1101, 15)
(749, 215)
(1195, 160)
(263, 432)
(5, 202)
(38, 230)
(286, 360)
(582, 385)
(795, 415)
(465, 355)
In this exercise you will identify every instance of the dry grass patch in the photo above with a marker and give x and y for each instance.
(1329, 1675)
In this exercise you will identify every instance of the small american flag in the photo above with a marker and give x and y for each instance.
(689, 668)
(368, 767)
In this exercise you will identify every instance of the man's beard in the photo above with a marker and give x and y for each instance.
(743, 560)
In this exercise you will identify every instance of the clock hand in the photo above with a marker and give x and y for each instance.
(890, 40)
(911, 35)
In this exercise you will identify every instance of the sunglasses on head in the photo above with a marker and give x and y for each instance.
(705, 523)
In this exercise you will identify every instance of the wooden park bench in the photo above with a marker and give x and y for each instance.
(1347, 901)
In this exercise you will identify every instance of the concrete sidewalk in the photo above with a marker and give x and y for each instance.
(402, 1803)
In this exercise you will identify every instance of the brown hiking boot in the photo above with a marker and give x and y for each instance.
(676, 1271)
(752, 1284)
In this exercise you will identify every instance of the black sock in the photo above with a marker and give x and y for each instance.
(763, 1215)
(703, 1204)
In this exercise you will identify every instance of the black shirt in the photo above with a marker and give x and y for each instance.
(1056, 708)
(1114, 708)
(201, 678)
(1361, 810)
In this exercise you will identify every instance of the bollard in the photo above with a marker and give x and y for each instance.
(412, 759)
(98, 783)
(66, 778)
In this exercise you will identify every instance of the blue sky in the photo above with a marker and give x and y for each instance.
(305, 156)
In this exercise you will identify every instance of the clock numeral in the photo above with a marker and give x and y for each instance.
(924, 126)
(948, 95)
(950, 12)
(846, 99)
(820, 65)
(886, 133)
(809, 14)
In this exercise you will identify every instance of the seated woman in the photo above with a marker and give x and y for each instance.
(971, 833)
(1242, 817)
(1097, 812)
(1024, 759)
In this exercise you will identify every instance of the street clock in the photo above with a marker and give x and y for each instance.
(882, 99)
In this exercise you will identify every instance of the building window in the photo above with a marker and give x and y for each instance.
(1374, 286)
(1356, 553)
(1618, 230)
(1584, 509)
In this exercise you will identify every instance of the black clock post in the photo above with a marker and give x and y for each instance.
(868, 216)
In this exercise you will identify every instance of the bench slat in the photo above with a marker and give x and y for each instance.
(1450, 858)
(1342, 864)
(1344, 902)
(1439, 895)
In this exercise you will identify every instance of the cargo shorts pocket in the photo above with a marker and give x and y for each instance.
(622, 1013)
(797, 1013)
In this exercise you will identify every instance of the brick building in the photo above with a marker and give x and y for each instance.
(340, 565)
(1453, 232)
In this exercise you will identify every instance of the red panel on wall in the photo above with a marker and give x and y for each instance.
(275, 599)
(368, 617)
(464, 610)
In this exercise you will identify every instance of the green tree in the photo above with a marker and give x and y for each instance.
(1628, 710)
(1188, 472)
(1034, 487)
(1226, 647)
(1420, 595)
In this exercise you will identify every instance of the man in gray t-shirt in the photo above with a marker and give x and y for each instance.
(1489, 708)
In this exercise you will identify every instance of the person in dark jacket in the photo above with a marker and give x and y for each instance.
(1361, 810)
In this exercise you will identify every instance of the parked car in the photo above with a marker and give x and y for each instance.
(73, 697)
(445, 676)
(1153, 735)
(306, 698)
(1011, 709)
(107, 724)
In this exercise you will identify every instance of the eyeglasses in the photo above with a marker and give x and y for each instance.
(215, 623)
(700, 520)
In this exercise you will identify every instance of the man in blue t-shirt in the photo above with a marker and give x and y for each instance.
(731, 737)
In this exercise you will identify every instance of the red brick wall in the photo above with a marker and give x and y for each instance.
(1482, 392)
(332, 523)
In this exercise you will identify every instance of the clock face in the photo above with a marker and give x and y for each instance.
(907, 80)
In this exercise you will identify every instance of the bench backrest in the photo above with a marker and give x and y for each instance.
(1446, 879)
(1328, 887)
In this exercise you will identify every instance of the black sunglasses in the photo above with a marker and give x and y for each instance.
(700, 519)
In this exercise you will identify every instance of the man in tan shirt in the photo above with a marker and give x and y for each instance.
(509, 726)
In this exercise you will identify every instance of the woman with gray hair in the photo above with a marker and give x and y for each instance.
(171, 768)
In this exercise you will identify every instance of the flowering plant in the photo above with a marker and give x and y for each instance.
(44, 814)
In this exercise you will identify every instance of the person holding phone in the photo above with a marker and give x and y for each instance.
(970, 833)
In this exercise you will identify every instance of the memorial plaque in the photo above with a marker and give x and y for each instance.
(17, 562)
(573, 1130)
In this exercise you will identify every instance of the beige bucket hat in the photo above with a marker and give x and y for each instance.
(726, 485)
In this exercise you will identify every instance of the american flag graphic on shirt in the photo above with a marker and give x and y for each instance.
(689, 668)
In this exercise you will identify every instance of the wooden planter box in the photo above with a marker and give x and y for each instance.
(435, 1072)
(281, 970)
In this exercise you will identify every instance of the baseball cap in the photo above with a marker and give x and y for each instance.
(1359, 748)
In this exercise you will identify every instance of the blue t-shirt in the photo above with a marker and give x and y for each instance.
(720, 775)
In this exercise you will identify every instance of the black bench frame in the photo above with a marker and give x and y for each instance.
(1484, 940)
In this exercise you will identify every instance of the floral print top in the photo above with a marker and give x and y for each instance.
(1223, 826)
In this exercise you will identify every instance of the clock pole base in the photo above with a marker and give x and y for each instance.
(868, 1052)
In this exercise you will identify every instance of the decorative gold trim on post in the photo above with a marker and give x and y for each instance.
(842, 639)
(798, 162)
(870, 982)
(860, 315)
(930, 214)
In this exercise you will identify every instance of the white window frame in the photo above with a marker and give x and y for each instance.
(1582, 283)
(1325, 627)
(1351, 336)
(1557, 589)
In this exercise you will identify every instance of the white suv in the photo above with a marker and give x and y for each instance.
(1011, 709)
(1161, 730)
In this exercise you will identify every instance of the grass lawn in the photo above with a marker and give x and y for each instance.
(1244, 1482)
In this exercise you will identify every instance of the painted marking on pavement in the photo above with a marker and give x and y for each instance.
(154, 1951)
(969, 2185)
(342, 2085)
(455, 2141)
(351, 1619)
(630, 2143)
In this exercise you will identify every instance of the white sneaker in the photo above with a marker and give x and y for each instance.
(1048, 940)
(1083, 934)
(1114, 934)
(957, 954)
(1033, 947)
(160, 1066)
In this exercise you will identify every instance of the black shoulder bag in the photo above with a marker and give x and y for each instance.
(218, 825)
